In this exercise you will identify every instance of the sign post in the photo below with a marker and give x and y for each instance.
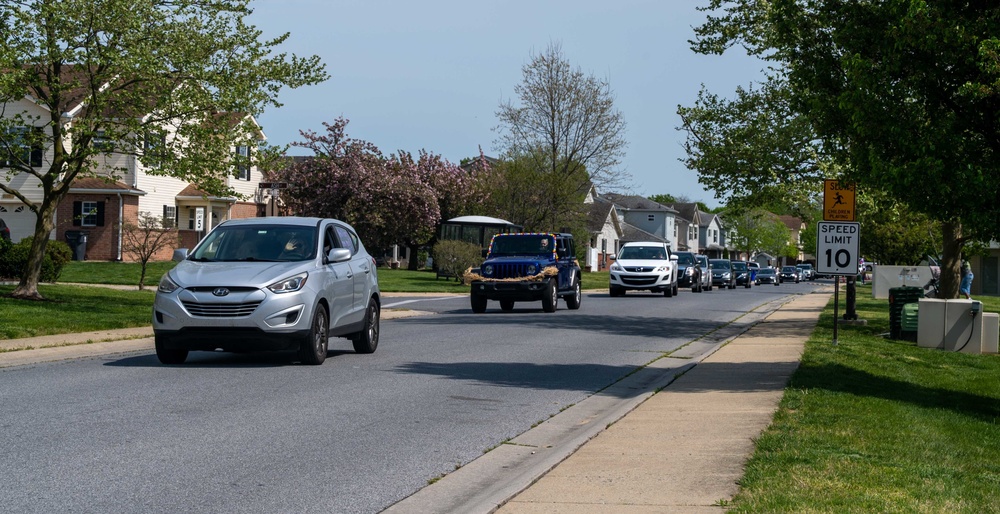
(837, 247)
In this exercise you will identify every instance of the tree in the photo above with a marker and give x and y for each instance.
(528, 195)
(756, 231)
(388, 200)
(145, 238)
(905, 95)
(566, 123)
(135, 68)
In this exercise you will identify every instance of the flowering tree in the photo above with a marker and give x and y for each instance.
(388, 200)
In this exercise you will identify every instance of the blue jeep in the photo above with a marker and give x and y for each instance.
(528, 268)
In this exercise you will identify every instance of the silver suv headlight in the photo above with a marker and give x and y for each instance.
(166, 285)
(290, 284)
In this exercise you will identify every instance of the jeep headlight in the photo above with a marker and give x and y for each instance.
(290, 284)
(532, 269)
(487, 270)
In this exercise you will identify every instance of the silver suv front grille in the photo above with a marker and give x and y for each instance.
(221, 310)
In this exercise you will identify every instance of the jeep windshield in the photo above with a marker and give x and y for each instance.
(257, 243)
(530, 244)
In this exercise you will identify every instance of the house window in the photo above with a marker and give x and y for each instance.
(169, 216)
(88, 214)
(22, 149)
(715, 236)
(102, 143)
(242, 159)
(154, 148)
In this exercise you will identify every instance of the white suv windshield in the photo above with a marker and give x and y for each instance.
(646, 253)
(257, 243)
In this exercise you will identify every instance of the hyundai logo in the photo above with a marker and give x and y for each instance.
(220, 291)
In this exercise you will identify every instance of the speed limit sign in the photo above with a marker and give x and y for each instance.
(837, 247)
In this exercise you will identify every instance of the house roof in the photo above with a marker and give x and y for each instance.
(599, 213)
(633, 233)
(792, 222)
(100, 185)
(636, 203)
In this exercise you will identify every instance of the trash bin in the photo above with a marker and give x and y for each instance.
(77, 241)
(898, 297)
(908, 322)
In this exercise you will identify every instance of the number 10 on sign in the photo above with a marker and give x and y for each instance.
(837, 245)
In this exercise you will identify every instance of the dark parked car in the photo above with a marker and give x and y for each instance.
(767, 276)
(693, 271)
(4, 231)
(722, 274)
(789, 274)
(742, 272)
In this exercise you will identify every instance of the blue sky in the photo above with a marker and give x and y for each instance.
(412, 75)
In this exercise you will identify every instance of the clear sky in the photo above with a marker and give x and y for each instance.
(430, 74)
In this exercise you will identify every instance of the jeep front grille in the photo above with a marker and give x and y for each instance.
(221, 310)
(511, 270)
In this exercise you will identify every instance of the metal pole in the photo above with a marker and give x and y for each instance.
(836, 303)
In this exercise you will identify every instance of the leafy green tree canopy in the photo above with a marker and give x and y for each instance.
(123, 70)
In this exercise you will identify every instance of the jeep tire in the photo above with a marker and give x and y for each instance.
(573, 299)
(506, 305)
(550, 302)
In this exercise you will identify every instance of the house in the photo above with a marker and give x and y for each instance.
(605, 233)
(795, 227)
(712, 236)
(125, 183)
(647, 216)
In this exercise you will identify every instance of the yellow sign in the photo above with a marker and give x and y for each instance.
(838, 201)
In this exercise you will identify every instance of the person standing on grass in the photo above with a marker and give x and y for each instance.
(966, 286)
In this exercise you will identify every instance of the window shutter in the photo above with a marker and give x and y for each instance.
(100, 214)
(77, 210)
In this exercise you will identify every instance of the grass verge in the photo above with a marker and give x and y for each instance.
(73, 309)
(876, 425)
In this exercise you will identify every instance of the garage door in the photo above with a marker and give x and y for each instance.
(20, 220)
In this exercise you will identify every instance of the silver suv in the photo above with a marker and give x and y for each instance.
(269, 284)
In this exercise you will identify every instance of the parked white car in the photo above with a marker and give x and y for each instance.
(647, 265)
(284, 283)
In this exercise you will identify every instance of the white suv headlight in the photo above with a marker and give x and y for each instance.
(166, 285)
(616, 267)
(290, 284)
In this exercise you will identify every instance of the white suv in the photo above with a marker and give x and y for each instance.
(647, 265)
(269, 284)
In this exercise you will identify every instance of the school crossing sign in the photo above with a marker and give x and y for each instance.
(837, 246)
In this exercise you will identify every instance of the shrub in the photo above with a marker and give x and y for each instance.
(454, 257)
(14, 257)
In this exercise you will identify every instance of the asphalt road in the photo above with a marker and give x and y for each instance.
(261, 433)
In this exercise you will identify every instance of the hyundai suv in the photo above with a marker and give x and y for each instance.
(644, 266)
(255, 284)
(527, 267)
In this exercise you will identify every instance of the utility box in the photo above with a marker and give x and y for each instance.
(930, 324)
(991, 332)
(963, 322)
(908, 323)
(898, 297)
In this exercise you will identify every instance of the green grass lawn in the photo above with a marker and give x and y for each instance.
(73, 309)
(876, 425)
(118, 273)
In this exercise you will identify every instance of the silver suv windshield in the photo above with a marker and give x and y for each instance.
(276, 243)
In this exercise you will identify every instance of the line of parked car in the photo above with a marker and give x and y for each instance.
(653, 267)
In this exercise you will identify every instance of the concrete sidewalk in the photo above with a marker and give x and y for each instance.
(684, 448)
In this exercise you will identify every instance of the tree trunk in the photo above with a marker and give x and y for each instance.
(27, 289)
(413, 265)
(951, 258)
